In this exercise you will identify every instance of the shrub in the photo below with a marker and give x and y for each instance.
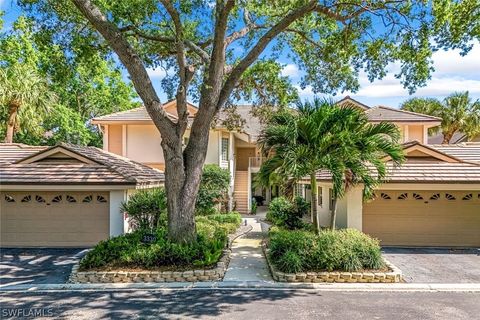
(343, 250)
(147, 209)
(128, 250)
(213, 189)
(285, 213)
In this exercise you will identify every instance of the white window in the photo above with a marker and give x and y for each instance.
(320, 196)
(225, 145)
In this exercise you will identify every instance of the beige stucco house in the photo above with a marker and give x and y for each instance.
(434, 199)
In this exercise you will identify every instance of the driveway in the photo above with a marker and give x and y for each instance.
(35, 266)
(424, 265)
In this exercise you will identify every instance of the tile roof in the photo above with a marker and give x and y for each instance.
(137, 114)
(382, 113)
(252, 125)
(426, 172)
(106, 169)
(466, 151)
(418, 170)
(11, 152)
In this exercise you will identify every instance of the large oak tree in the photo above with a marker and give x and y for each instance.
(212, 47)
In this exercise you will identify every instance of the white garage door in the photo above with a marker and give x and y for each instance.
(424, 218)
(53, 219)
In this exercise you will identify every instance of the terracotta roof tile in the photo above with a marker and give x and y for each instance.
(467, 151)
(107, 168)
(382, 113)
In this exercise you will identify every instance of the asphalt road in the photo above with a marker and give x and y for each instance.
(241, 304)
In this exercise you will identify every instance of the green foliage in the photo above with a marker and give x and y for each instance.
(324, 136)
(147, 209)
(128, 251)
(287, 214)
(342, 250)
(213, 189)
(254, 206)
(457, 111)
(85, 82)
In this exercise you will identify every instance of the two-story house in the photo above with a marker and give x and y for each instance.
(434, 199)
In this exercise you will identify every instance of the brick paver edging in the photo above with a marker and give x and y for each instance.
(393, 275)
(215, 274)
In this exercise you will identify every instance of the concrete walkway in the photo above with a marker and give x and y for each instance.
(247, 261)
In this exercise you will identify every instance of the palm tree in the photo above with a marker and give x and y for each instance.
(457, 111)
(322, 136)
(24, 98)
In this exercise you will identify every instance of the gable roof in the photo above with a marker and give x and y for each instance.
(382, 113)
(141, 114)
(349, 100)
(93, 166)
(441, 167)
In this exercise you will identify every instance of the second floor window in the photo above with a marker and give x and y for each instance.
(224, 149)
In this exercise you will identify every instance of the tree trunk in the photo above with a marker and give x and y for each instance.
(447, 137)
(11, 122)
(333, 214)
(314, 205)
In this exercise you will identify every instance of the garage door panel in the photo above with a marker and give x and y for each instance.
(421, 218)
(54, 219)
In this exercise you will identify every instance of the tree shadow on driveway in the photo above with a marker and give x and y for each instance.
(37, 266)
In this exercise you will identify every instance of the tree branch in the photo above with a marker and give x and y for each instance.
(258, 48)
(131, 61)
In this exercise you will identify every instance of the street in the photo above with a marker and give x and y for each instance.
(240, 304)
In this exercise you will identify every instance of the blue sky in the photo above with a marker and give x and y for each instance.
(452, 73)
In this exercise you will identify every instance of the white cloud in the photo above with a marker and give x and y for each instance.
(452, 73)
(290, 70)
(157, 73)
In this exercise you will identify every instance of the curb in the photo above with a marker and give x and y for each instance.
(248, 285)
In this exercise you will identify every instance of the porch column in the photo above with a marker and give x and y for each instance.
(354, 199)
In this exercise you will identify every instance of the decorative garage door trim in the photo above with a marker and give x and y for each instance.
(53, 219)
(424, 218)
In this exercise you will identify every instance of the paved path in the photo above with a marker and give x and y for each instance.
(242, 304)
(247, 261)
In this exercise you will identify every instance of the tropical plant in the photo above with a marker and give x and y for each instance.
(213, 189)
(24, 98)
(147, 209)
(212, 50)
(459, 113)
(322, 136)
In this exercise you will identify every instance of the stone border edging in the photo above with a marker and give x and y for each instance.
(392, 276)
(215, 274)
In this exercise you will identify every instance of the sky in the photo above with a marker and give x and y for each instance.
(452, 73)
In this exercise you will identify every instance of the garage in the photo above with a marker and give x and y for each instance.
(424, 218)
(54, 219)
(65, 195)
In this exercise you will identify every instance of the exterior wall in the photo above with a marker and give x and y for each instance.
(213, 150)
(143, 144)
(415, 133)
(116, 215)
(115, 139)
